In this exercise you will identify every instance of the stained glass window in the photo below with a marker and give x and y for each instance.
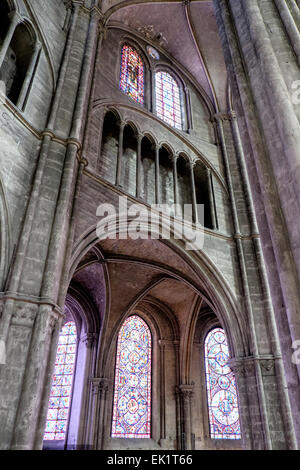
(168, 106)
(132, 394)
(62, 379)
(221, 388)
(152, 53)
(132, 74)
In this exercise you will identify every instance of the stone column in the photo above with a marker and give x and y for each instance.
(99, 389)
(15, 19)
(52, 219)
(139, 166)
(79, 420)
(29, 76)
(189, 115)
(293, 32)
(185, 392)
(251, 430)
(240, 25)
(283, 112)
(162, 345)
(263, 277)
(120, 154)
(47, 385)
(175, 180)
(211, 199)
(33, 381)
(157, 178)
(194, 196)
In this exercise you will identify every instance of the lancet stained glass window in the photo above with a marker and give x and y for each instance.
(132, 394)
(168, 106)
(221, 388)
(132, 74)
(62, 379)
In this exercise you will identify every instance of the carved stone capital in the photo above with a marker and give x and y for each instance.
(99, 385)
(165, 343)
(89, 339)
(83, 161)
(53, 319)
(102, 29)
(185, 391)
(221, 117)
(68, 4)
(267, 366)
(244, 367)
(232, 115)
(15, 17)
(24, 314)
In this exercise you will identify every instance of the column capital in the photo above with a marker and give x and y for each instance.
(192, 163)
(165, 342)
(99, 385)
(89, 339)
(24, 314)
(246, 366)
(221, 117)
(15, 17)
(37, 45)
(185, 390)
(232, 115)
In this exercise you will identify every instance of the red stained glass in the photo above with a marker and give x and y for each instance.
(132, 394)
(132, 74)
(221, 388)
(61, 384)
(168, 99)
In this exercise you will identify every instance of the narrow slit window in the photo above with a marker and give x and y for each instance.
(221, 388)
(132, 393)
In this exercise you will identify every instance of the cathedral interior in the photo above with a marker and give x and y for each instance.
(119, 340)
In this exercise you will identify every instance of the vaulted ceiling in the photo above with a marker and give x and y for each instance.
(187, 31)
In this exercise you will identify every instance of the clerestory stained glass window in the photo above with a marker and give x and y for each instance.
(221, 388)
(132, 74)
(132, 394)
(62, 379)
(168, 106)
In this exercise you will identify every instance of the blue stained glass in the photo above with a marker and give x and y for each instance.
(132, 394)
(221, 388)
(168, 99)
(61, 384)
